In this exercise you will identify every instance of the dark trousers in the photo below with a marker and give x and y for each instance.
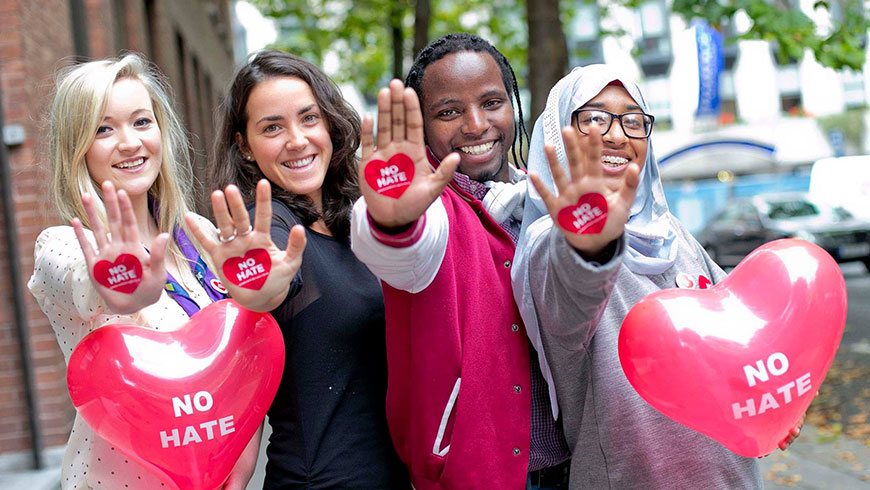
(552, 478)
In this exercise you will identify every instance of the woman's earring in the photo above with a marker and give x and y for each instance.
(249, 158)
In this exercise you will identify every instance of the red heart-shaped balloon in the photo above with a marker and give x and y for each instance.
(250, 271)
(392, 177)
(185, 403)
(588, 216)
(122, 275)
(742, 360)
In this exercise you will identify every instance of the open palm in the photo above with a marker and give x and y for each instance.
(254, 270)
(400, 132)
(114, 250)
(586, 179)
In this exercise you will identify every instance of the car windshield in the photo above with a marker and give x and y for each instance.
(791, 209)
(799, 208)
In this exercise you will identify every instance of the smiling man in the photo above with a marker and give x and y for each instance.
(471, 114)
(467, 404)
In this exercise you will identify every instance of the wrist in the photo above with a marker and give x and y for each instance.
(598, 254)
(390, 229)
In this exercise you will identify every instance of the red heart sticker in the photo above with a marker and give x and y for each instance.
(218, 286)
(122, 275)
(184, 403)
(703, 282)
(741, 360)
(390, 178)
(586, 217)
(684, 281)
(250, 271)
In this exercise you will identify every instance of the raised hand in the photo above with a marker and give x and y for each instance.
(126, 276)
(391, 200)
(586, 211)
(256, 273)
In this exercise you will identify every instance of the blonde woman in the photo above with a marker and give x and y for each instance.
(120, 169)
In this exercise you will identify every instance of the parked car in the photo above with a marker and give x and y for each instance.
(746, 224)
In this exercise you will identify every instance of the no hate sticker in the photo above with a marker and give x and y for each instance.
(122, 275)
(250, 271)
(685, 281)
(588, 216)
(390, 178)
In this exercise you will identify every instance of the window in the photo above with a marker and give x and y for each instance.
(791, 103)
(119, 8)
(655, 40)
(78, 17)
(791, 209)
(182, 86)
(151, 28)
(584, 35)
(729, 49)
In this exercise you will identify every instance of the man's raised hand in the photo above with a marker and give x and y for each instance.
(395, 177)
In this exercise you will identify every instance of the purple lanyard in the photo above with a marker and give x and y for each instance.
(203, 275)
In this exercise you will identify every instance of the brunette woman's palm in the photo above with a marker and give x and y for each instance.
(259, 272)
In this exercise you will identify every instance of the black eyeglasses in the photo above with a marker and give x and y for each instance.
(634, 124)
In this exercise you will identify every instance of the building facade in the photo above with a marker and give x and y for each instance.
(192, 44)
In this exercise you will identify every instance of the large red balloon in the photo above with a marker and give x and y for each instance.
(184, 404)
(742, 360)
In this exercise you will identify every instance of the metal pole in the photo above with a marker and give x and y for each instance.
(18, 300)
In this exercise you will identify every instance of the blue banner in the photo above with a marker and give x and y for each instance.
(711, 61)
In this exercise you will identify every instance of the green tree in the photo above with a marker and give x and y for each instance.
(376, 39)
(783, 23)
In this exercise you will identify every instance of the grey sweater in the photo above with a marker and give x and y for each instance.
(618, 441)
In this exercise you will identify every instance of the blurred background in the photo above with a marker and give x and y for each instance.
(761, 132)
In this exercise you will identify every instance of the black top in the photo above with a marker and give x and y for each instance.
(329, 429)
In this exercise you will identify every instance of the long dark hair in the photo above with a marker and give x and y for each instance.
(340, 185)
(462, 41)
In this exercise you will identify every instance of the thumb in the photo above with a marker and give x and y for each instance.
(550, 201)
(632, 179)
(296, 243)
(444, 173)
(205, 241)
(158, 254)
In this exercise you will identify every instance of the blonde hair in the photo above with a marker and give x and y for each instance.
(76, 113)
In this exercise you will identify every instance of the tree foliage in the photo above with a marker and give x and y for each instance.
(365, 34)
(362, 33)
(851, 123)
(782, 22)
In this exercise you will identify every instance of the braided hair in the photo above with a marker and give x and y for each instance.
(462, 41)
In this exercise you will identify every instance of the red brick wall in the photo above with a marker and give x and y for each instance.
(33, 36)
(36, 40)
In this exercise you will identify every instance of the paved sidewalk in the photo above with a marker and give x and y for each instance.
(843, 464)
(45, 479)
(810, 464)
(49, 477)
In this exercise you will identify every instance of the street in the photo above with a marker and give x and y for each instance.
(833, 452)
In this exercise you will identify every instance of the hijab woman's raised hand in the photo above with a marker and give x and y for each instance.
(585, 180)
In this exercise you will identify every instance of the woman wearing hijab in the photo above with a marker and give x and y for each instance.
(575, 288)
